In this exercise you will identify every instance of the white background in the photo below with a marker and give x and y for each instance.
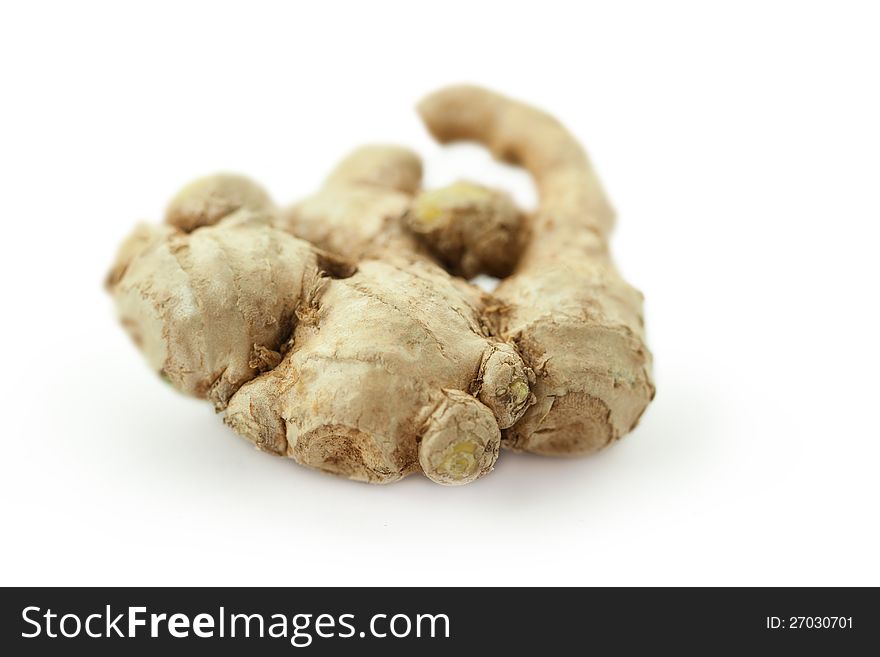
(740, 144)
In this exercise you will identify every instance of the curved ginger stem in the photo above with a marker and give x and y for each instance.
(571, 197)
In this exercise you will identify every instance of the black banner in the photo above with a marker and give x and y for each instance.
(421, 621)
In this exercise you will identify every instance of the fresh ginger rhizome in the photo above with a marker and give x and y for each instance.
(342, 332)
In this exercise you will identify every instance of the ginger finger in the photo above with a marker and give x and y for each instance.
(358, 211)
(471, 229)
(207, 200)
(574, 320)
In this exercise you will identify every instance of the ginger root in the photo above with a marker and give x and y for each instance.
(370, 207)
(371, 372)
(472, 229)
(573, 318)
(342, 331)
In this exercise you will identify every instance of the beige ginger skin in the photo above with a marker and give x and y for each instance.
(371, 372)
(342, 331)
(575, 321)
(370, 207)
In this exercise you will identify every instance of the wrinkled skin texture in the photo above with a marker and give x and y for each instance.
(371, 371)
(574, 319)
(471, 229)
(370, 207)
(393, 336)
(341, 331)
